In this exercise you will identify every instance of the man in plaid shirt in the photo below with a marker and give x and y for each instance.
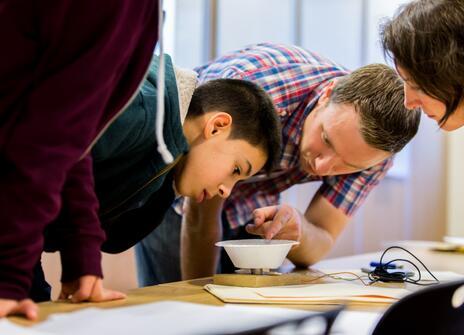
(338, 128)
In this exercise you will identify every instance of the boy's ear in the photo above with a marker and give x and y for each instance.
(217, 123)
(328, 91)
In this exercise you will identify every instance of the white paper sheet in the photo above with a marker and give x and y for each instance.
(331, 291)
(181, 318)
(10, 328)
(307, 294)
(157, 318)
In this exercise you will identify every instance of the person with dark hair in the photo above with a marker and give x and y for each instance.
(425, 39)
(220, 132)
(338, 128)
(68, 68)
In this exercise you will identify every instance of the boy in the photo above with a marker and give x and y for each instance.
(224, 132)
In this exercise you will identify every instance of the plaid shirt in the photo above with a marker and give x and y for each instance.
(294, 78)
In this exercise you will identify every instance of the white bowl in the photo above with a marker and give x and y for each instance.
(257, 253)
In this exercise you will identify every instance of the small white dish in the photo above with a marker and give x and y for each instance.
(455, 240)
(257, 253)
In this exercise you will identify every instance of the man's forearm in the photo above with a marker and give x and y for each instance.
(320, 227)
(201, 229)
(315, 243)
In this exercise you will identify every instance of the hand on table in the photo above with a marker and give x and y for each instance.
(276, 222)
(24, 307)
(88, 288)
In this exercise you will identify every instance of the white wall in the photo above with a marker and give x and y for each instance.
(242, 22)
(455, 182)
(334, 29)
(189, 32)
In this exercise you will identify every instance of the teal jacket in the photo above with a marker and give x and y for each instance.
(133, 183)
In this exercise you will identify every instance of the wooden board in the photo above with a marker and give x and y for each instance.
(250, 280)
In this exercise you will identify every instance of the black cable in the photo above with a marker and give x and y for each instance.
(380, 272)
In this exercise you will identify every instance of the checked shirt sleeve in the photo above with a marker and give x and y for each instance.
(347, 192)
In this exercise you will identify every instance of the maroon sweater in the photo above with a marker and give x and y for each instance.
(67, 67)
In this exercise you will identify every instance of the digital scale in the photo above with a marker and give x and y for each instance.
(256, 260)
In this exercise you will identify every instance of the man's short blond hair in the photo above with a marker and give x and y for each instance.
(376, 91)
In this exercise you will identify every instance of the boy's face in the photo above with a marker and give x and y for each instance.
(332, 143)
(215, 163)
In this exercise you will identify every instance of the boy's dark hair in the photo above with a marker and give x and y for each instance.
(376, 92)
(426, 38)
(254, 116)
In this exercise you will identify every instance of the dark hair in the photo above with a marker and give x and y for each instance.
(426, 38)
(376, 91)
(254, 115)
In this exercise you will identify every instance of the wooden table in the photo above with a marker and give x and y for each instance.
(434, 260)
(192, 290)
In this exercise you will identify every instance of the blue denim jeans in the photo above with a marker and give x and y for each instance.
(158, 255)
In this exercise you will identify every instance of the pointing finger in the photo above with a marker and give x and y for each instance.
(263, 214)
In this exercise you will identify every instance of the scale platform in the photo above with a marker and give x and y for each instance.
(264, 278)
(255, 258)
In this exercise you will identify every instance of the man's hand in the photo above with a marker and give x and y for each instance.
(278, 222)
(24, 307)
(88, 288)
(316, 230)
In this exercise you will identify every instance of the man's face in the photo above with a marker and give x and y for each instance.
(215, 164)
(414, 98)
(332, 143)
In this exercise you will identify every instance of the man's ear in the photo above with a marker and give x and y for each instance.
(327, 93)
(217, 123)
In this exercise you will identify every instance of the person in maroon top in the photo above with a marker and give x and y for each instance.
(67, 69)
